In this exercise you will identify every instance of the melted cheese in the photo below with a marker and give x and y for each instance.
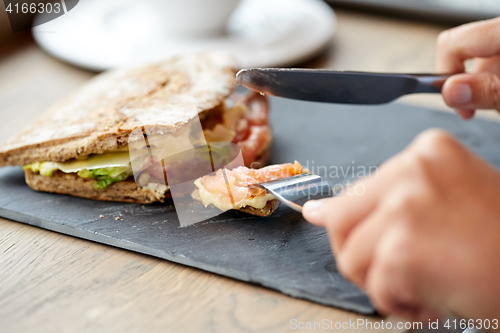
(107, 160)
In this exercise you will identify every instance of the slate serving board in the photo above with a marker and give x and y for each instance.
(281, 252)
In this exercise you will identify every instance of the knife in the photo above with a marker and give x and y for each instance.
(329, 86)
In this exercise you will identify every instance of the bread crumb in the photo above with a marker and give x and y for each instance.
(101, 216)
(117, 218)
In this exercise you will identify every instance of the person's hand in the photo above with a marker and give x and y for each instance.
(424, 237)
(479, 89)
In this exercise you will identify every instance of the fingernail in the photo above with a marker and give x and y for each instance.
(312, 212)
(460, 94)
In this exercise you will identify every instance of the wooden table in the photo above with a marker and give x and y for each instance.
(55, 283)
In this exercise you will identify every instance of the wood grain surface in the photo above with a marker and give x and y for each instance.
(56, 283)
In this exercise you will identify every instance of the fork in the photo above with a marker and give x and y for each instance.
(296, 190)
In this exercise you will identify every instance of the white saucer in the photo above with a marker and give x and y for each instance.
(102, 34)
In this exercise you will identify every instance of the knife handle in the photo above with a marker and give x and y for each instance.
(430, 83)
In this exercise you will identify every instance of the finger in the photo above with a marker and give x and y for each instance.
(389, 284)
(355, 257)
(401, 202)
(466, 42)
(472, 91)
(384, 285)
(339, 215)
(491, 64)
(394, 281)
(347, 205)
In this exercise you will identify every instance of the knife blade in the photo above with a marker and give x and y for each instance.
(330, 86)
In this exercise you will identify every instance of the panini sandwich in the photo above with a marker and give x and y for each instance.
(80, 146)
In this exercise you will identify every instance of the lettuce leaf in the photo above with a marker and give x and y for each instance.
(103, 176)
(106, 176)
(44, 168)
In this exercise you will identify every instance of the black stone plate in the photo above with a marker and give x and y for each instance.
(281, 252)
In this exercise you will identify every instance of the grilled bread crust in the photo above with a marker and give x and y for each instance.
(99, 117)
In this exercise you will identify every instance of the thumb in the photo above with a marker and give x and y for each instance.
(467, 92)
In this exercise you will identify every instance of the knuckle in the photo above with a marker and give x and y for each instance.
(435, 145)
(409, 202)
(435, 138)
(397, 252)
(420, 175)
(402, 200)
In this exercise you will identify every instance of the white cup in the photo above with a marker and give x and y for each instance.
(193, 18)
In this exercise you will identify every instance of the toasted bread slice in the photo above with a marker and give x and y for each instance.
(270, 207)
(100, 116)
(70, 183)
